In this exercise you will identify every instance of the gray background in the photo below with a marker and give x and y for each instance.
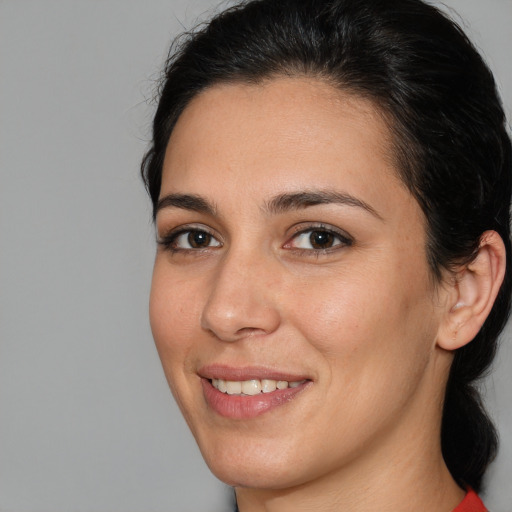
(86, 420)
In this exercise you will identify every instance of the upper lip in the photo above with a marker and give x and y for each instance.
(242, 373)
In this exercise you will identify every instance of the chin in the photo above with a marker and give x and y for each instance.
(256, 477)
(256, 464)
(249, 464)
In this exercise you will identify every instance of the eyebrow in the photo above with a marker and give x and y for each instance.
(299, 200)
(277, 205)
(186, 202)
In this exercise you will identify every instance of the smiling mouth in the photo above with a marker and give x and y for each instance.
(246, 399)
(254, 386)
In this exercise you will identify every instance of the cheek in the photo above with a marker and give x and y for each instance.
(369, 327)
(341, 312)
(373, 340)
(173, 309)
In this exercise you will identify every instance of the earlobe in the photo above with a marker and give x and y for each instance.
(472, 293)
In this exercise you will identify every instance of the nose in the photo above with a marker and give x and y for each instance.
(242, 300)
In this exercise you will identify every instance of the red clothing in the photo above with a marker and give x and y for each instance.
(471, 503)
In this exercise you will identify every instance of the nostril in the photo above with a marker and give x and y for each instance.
(250, 331)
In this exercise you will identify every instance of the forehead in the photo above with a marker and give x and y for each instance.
(284, 134)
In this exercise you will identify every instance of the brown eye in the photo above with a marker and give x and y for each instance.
(321, 239)
(192, 239)
(199, 239)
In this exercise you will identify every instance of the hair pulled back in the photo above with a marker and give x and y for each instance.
(450, 141)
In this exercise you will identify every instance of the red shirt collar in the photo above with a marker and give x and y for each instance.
(471, 503)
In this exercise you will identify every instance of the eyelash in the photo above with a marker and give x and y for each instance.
(168, 242)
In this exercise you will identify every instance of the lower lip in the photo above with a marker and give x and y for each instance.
(244, 406)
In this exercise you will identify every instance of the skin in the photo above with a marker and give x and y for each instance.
(363, 320)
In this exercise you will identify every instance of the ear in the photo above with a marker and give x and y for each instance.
(472, 293)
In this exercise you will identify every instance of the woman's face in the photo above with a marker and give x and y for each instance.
(291, 303)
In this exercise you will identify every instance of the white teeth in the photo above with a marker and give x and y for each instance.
(252, 387)
(267, 385)
(222, 386)
(233, 387)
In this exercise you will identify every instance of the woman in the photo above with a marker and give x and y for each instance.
(331, 188)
